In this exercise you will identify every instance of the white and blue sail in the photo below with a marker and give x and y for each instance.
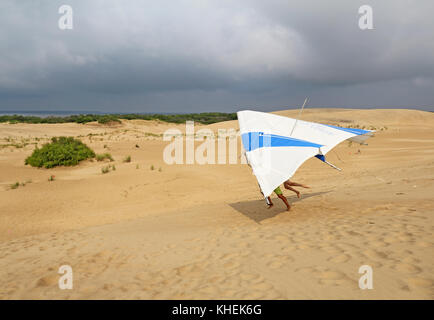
(276, 146)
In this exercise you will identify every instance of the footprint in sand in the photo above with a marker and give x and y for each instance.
(424, 244)
(229, 294)
(407, 268)
(378, 244)
(391, 240)
(105, 254)
(71, 251)
(420, 283)
(48, 281)
(229, 256)
(374, 254)
(339, 282)
(306, 269)
(243, 244)
(254, 295)
(330, 275)
(262, 286)
(331, 249)
(352, 233)
(410, 260)
(275, 264)
(248, 276)
(281, 238)
(278, 261)
(231, 265)
(340, 258)
(216, 280)
(232, 282)
(305, 246)
(334, 278)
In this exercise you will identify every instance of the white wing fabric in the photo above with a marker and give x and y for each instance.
(274, 154)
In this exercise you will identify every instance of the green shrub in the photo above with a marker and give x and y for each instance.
(15, 185)
(102, 157)
(62, 151)
(108, 119)
(127, 159)
(107, 169)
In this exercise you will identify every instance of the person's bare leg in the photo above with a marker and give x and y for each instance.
(295, 184)
(283, 198)
(293, 190)
(270, 203)
(287, 185)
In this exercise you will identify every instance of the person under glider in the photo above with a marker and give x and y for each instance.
(288, 185)
(276, 146)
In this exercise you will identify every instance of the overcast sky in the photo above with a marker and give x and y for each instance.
(198, 55)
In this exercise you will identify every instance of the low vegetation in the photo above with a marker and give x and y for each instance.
(17, 143)
(106, 169)
(127, 159)
(104, 156)
(17, 184)
(366, 127)
(109, 119)
(150, 134)
(62, 151)
(204, 118)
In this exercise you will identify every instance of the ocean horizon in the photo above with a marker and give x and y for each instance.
(65, 113)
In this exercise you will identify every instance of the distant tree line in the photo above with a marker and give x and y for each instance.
(204, 118)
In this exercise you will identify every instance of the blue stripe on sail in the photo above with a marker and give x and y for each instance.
(350, 130)
(255, 140)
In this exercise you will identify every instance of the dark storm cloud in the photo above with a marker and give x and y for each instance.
(215, 55)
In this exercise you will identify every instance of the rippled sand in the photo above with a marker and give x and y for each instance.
(203, 232)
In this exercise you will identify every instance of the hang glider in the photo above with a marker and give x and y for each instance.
(276, 146)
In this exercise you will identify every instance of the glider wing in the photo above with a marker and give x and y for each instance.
(274, 154)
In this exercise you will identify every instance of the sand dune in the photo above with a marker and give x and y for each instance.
(203, 232)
